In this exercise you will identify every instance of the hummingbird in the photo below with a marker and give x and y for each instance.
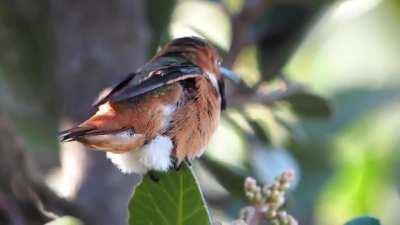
(162, 114)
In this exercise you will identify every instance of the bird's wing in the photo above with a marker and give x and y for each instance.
(118, 87)
(140, 83)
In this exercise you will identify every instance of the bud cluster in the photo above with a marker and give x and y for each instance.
(270, 198)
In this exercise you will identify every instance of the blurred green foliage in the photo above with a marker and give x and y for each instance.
(174, 198)
(364, 221)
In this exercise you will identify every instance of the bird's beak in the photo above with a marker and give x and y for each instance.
(229, 74)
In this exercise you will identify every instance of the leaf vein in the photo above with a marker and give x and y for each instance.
(158, 209)
(170, 198)
(180, 209)
(194, 212)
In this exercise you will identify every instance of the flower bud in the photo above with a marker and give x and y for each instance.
(258, 197)
(283, 217)
(275, 195)
(275, 186)
(250, 184)
(266, 191)
(292, 221)
(250, 196)
(264, 208)
(274, 222)
(282, 214)
(270, 214)
(285, 186)
(280, 201)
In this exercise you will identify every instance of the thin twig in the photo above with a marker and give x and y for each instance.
(258, 97)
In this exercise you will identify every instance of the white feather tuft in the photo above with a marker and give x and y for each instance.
(213, 80)
(168, 111)
(155, 155)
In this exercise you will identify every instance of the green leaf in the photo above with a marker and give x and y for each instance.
(365, 220)
(310, 105)
(173, 200)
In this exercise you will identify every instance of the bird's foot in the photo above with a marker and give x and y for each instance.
(177, 166)
(153, 176)
(188, 161)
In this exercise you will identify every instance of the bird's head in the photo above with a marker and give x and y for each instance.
(202, 54)
(197, 51)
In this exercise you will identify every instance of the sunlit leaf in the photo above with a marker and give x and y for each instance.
(246, 65)
(366, 220)
(65, 220)
(173, 200)
(228, 144)
(197, 18)
(310, 105)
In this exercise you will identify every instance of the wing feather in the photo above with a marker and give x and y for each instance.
(115, 89)
(139, 83)
(158, 79)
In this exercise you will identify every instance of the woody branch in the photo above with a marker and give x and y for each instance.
(23, 194)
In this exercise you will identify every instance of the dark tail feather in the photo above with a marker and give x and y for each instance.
(73, 134)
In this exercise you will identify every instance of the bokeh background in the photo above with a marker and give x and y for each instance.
(327, 74)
